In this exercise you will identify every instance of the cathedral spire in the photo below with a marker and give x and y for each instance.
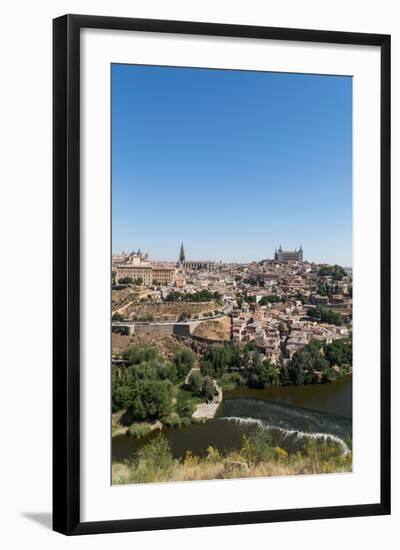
(182, 256)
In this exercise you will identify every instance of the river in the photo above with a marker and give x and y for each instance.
(292, 414)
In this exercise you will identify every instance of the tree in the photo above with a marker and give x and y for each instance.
(264, 375)
(350, 291)
(336, 272)
(156, 397)
(339, 352)
(184, 361)
(169, 372)
(325, 315)
(270, 300)
(137, 409)
(126, 281)
(284, 376)
(282, 328)
(199, 296)
(196, 383)
(328, 374)
(117, 317)
(296, 373)
(183, 317)
(208, 388)
(140, 353)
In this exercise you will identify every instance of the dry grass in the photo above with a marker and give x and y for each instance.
(168, 311)
(121, 474)
(233, 466)
(215, 330)
(123, 296)
(167, 346)
(120, 342)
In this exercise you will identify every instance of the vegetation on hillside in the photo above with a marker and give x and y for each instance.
(148, 387)
(200, 296)
(272, 299)
(336, 272)
(325, 315)
(234, 365)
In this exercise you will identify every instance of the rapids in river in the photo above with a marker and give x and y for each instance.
(292, 415)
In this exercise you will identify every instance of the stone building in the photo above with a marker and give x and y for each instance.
(137, 266)
(289, 255)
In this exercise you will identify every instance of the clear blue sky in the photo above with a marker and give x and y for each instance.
(232, 163)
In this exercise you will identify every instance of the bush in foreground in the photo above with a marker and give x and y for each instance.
(257, 458)
(154, 461)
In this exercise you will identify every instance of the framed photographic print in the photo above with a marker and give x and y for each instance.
(221, 274)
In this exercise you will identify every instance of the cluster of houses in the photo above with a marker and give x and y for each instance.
(273, 326)
(279, 327)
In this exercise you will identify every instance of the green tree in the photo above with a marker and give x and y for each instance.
(325, 315)
(126, 281)
(196, 383)
(208, 388)
(184, 361)
(296, 373)
(137, 409)
(117, 317)
(284, 376)
(140, 353)
(156, 397)
(270, 300)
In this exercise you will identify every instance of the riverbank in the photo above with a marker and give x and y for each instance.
(203, 411)
(256, 458)
(207, 410)
(317, 409)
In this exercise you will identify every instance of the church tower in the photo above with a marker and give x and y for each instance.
(182, 256)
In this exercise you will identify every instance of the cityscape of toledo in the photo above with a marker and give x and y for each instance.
(224, 370)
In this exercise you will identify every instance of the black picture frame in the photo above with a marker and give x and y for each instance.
(66, 273)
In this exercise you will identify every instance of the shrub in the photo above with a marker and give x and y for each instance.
(154, 461)
(117, 317)
(184, 316)
(280, 454)
(230, 381)
(213, 455)
(173, 420)
(125, 280)
(257, 447)
(138, 430)
(185, 405)
(185, 421)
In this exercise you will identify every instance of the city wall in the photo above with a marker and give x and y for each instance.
(159, 329)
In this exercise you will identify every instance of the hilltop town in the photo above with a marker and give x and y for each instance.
(278, 304)
(184, 333)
